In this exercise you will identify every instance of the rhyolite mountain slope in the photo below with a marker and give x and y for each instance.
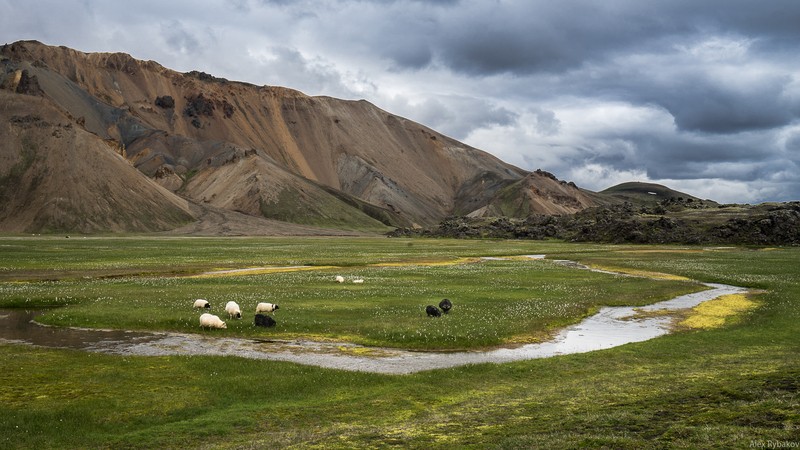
(57, 176)
(144, 148)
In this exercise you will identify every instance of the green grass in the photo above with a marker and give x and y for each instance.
(57, 257)
(495, 302)
(732, 387)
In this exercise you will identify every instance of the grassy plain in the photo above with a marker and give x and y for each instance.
(496, 301)
(729, 387)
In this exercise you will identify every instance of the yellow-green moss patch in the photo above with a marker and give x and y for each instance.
(716, 313)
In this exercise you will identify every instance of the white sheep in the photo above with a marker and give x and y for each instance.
(232, 308)
(358, 281)
(201, 303)
(266, 307)
(211, 321)
(339, 279)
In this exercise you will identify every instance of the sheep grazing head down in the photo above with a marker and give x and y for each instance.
(202, 303)
(233, 310)
(211, 321)
(445, 305)
(432, 311)
(339, 279)
(263, 320)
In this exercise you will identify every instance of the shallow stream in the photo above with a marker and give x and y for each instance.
(610, 327)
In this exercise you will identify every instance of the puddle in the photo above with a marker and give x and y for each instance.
(18, 326)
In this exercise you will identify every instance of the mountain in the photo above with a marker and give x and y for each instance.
(102, 142)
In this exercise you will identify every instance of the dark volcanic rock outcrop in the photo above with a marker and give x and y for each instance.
(766, 224)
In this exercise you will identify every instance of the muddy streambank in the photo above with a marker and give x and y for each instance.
(610, 327)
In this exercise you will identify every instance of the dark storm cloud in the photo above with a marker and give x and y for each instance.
(793, 146)
(580, 43)
(524, 37)
(527, 37)
(712, 98)
(681, 158)
(484, 38)
(706, 108)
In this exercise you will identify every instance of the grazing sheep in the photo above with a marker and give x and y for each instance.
(358, 281)
(445, 305)
(264, 321)
(232, 308)
(266, 307)
(339, 279)
(432, 311)
(201, 303)
(211, 321)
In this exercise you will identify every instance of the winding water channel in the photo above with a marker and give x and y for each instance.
(610, 327)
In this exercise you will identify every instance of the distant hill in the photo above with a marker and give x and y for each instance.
(647, 193)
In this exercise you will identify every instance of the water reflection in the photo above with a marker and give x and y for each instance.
(17, 325)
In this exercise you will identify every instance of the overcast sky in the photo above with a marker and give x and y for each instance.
(700, 95)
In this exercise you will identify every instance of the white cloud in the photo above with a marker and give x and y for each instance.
(597, 177)
(717, 49)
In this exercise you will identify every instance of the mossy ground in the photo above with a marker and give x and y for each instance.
(718, 312)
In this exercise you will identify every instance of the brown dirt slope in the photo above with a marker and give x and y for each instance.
(55, 176)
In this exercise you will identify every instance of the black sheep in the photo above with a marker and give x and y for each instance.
(445, 305)
(432, 311)
(263, 320)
